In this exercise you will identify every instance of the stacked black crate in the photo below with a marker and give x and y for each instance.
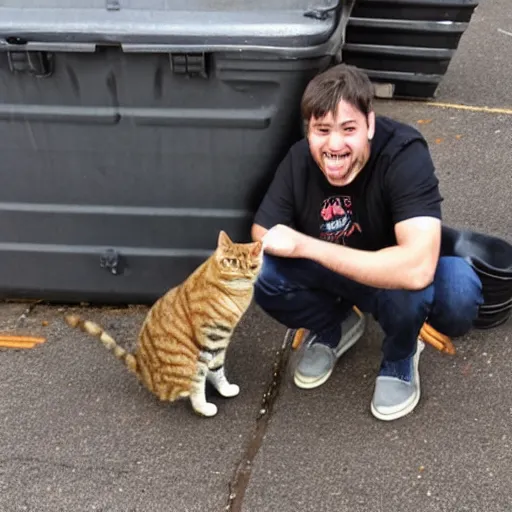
(407, 44)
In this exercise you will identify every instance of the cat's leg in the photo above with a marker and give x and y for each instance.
(197, 392)
(217, 377)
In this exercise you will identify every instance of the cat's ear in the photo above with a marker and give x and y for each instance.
(224, 241)
(256, 248)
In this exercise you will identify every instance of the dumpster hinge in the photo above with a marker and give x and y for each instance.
(34, 63)
(190, 64)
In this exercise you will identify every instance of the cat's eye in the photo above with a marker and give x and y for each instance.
(230, 262)
(254, 266)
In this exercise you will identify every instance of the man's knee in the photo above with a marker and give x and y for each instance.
(404, 308)
(272, 279)
(275, 283)
(281, 292)
(458, 296)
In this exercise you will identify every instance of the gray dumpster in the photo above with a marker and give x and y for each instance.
(133, 131)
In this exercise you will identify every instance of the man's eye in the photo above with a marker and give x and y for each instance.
(350, 129)
(323, 131)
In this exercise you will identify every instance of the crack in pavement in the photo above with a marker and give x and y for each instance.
(240, 481)
(21, 319)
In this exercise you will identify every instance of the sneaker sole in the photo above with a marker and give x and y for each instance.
(353, 336)
(410, 406)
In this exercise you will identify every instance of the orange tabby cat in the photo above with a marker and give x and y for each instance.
(184, 337)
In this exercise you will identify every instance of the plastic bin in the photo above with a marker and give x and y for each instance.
(133, 131)
(491, 259)
(406, 43)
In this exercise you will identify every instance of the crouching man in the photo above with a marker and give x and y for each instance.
(353, 217)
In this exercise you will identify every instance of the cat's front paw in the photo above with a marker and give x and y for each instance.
(229, 390)
(207, 409)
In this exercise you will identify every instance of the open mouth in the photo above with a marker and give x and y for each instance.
(336, 157)
(336, 165)
(335, 160)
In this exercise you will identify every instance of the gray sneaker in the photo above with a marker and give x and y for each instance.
(318, 360)
(395, 397)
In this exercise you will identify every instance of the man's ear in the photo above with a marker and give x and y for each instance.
(371, 125)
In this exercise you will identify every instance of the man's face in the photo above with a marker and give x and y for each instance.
(340, 143)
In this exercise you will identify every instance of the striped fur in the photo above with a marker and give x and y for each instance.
(184, 337)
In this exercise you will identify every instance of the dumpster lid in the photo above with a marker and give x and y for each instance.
(180, 25)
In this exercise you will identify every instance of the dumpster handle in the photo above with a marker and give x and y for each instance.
(321, 13)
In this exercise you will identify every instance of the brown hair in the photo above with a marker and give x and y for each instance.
(341, 82)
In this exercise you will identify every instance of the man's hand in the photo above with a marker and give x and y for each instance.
(284, 241)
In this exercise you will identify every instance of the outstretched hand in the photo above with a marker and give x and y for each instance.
(283, 241)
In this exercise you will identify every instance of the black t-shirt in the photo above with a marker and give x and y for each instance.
(397, 183)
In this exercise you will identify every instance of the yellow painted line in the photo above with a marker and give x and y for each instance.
(471, 108)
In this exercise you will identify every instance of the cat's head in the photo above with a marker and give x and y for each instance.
(238, 260)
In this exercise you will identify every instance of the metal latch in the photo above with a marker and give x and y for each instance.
(321, 13)
(39, 64)
(190, 64)
(112, 261)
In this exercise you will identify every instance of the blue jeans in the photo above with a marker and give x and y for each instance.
(303, 293)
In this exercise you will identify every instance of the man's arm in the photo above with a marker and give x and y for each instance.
(258, 232)
(409, 265)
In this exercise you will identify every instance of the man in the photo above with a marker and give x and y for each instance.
(353, 217)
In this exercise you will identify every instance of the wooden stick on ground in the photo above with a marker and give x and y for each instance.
(298, 338)
(17, 341)
(438, 340)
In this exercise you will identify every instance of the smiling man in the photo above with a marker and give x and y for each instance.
(353, 217)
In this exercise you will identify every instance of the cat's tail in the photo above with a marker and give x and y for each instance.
(110, 343)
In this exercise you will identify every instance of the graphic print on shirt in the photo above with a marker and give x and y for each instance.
(337, 222)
